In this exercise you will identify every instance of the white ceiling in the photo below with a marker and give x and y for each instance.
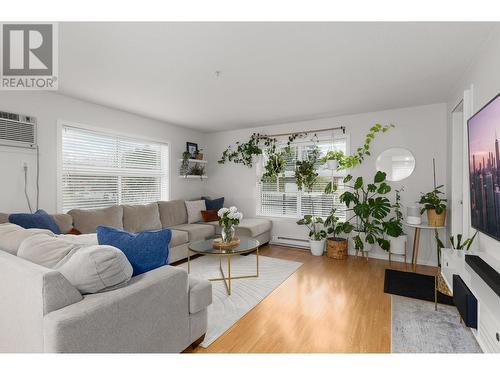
(270, 72)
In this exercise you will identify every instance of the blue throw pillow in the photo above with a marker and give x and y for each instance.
(145, 250)
(213, 204)
(39, 220)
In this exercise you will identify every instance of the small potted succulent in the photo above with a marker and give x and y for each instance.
(228, 219)
(435, 207)
(317, 234)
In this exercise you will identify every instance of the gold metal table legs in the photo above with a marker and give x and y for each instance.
(227, 279)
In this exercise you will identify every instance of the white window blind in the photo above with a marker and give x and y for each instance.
(99, 170)
(282, 198)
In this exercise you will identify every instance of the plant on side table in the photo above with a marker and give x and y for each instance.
(337, 247)
(435, 207)
(228, 219)
(317, 234)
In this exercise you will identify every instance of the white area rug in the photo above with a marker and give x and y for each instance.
(418, 328)
(245, 294)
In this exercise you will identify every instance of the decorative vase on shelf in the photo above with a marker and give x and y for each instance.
(228, 233)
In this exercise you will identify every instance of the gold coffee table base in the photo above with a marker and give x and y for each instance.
(227, 279)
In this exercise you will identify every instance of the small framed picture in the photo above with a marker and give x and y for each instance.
(192, 148)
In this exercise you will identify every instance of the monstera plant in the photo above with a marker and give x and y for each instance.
(370, 208)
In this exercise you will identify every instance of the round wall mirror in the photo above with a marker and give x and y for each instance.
(397, 163)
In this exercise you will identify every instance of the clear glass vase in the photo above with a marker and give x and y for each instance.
(228, 233)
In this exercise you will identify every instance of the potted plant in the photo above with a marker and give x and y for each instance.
(435, 207)
(305, 170)
(197, 170)
(457, 246)
(331, 159)
(317, 234)
(337, 247)
(370, 207)
(184, 168)
(228, 219)
(394, 228)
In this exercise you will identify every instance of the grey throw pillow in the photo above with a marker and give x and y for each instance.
(12, 236)
(97, 268)
(89, 268)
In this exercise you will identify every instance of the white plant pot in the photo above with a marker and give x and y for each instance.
(317, 247)
(332, 164)
(398, 244)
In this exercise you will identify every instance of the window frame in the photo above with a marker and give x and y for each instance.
(322, 138)
(105, 131)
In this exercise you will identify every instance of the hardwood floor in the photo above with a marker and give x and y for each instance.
(327, 305)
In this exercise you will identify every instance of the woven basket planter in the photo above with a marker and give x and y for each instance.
(434, 219)
(337, 248)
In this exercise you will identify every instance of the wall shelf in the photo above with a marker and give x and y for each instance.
(195, 161)
(190, 176)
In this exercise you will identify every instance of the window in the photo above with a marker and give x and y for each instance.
(100, 170)
(282, 198)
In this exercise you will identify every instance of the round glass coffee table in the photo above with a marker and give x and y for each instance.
(206, 247)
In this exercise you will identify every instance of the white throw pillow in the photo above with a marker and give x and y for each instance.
(47, 251)
(194, 209)
(12, 235)
(97, 268)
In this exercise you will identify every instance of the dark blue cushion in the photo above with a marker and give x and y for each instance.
(145, 250)
(40, 220)
(213, 204)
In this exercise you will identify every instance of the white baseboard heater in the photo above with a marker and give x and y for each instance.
(289, 241)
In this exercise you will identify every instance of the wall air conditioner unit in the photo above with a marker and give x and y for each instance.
(17, 130)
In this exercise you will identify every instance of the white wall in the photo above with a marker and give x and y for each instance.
(48, 108)
(484, 76)
(421, 129)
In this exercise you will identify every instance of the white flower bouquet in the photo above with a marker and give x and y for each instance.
(228, 218)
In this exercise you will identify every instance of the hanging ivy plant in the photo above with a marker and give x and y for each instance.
(245, 152)
(276, 160)
(305, 170)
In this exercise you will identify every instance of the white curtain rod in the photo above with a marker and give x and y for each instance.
(310, 131)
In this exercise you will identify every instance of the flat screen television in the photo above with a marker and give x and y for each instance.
(484, 168)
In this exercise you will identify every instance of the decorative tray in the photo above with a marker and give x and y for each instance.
(218, 244)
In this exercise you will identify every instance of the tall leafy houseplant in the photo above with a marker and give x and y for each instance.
(370, 207)
(394, 228)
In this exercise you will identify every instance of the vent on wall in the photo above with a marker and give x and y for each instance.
(17, 130)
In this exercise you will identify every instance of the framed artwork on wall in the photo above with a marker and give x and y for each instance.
(191, 148)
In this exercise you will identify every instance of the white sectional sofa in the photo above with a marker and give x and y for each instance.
(163, 214)
(163, 310)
